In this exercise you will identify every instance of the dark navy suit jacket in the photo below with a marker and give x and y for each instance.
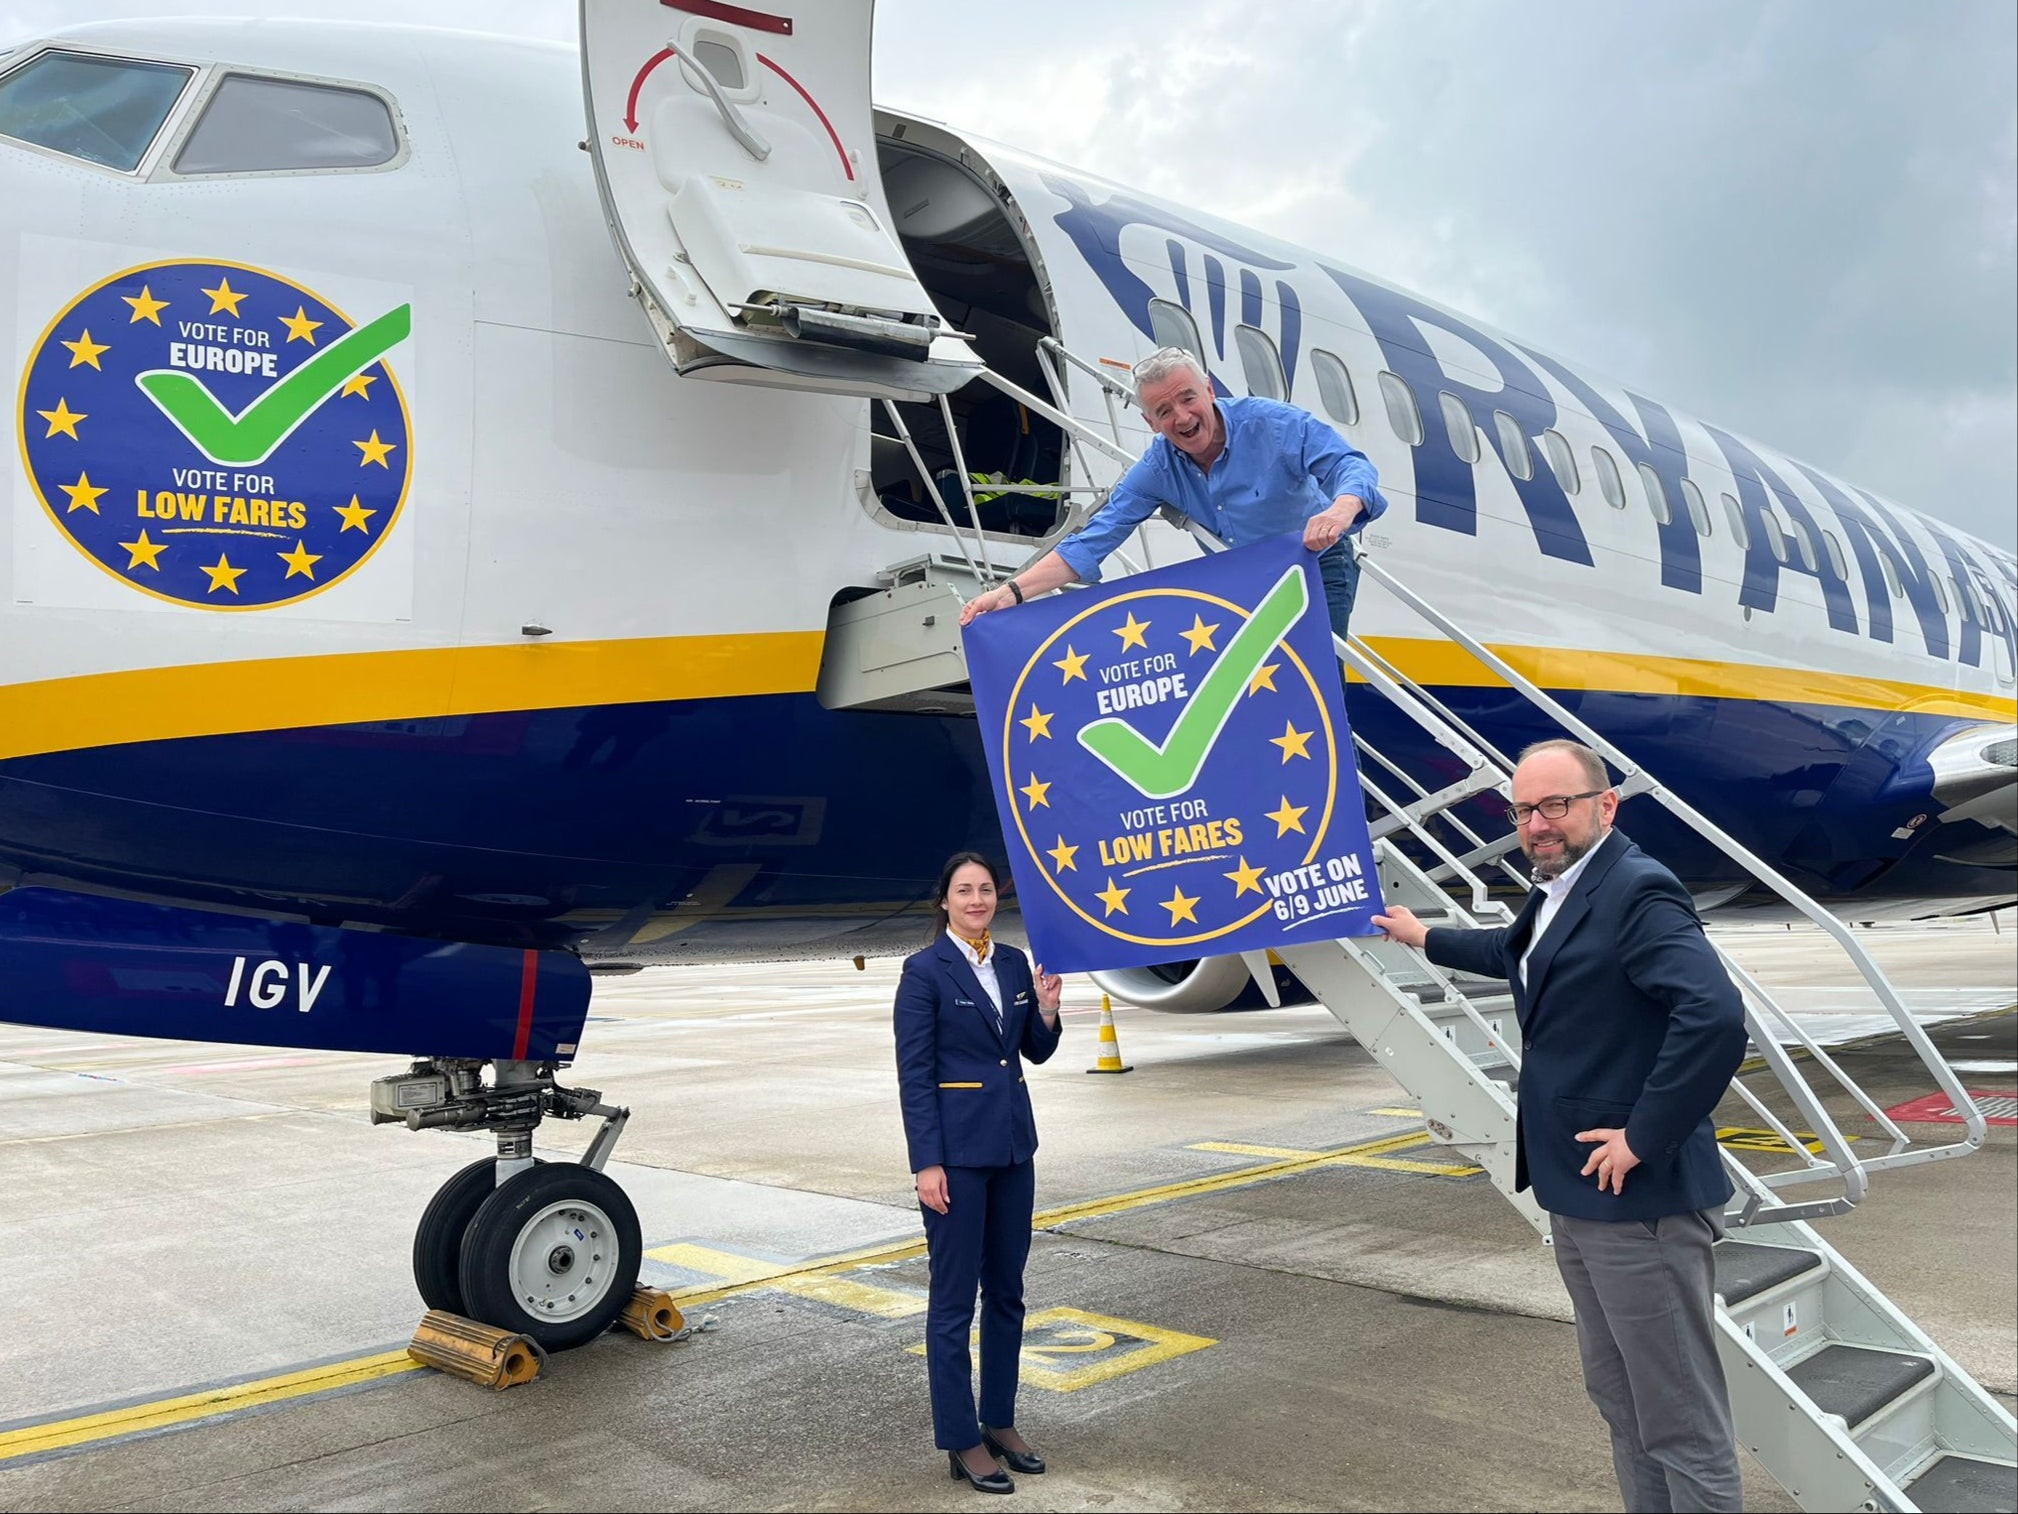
(1628, 1021)
(961, 1080)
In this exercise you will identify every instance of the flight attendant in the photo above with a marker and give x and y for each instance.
(969, 1012)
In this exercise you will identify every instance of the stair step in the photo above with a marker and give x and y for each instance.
(1967, 1485)
(1857, 1381)
(1744, 1269)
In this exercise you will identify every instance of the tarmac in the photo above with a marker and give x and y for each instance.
(1255, 1283)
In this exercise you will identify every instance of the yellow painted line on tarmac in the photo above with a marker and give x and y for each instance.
(730, 1275)
(162, 1413)
(1242, 1149)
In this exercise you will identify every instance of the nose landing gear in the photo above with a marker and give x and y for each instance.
(546, 1249)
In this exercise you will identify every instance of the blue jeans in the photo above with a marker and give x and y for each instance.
(1340, 571)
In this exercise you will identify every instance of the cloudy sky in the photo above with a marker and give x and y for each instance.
(1797, 218)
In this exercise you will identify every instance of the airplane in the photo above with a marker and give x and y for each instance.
(442, 458)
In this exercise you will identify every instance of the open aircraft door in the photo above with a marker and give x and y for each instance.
(736, 157)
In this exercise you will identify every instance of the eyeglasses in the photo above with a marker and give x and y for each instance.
(1552, 808)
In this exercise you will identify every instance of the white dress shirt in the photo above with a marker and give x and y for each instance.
(1553, 893)
(984, 969)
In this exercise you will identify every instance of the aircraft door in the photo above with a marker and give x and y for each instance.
(736, 157)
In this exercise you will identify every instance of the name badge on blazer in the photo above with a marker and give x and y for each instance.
(968, 1002)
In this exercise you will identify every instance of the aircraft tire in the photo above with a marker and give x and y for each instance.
(437, 1240)
(554, 1254)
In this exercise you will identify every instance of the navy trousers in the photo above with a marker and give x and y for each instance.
(981, 1241)
(1340, 571)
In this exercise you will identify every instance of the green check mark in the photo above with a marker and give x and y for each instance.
(1163, 772)
(251, 435)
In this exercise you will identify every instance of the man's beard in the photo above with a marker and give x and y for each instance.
(1548, 869)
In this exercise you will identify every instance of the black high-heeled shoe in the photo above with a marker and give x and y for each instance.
(996, 1481)
(1028, 1462)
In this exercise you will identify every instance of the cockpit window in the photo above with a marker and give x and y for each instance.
(103, 110)
(254, 125)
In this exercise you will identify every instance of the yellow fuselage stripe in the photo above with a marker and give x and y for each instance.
(158, 704)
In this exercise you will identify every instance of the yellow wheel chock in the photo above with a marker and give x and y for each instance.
(497, 1359)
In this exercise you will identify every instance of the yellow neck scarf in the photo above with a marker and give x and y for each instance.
(980, 947)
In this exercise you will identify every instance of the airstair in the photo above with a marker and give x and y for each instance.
(1833, 1389)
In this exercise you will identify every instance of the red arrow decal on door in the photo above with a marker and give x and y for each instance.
(631, 105)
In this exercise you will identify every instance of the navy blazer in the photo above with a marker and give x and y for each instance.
(960, 1079)
(1628, 1020)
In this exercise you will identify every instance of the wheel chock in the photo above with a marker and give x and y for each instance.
(497, 1359)
(652, 1315)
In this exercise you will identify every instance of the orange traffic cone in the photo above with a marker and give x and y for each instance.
(1110, 1047)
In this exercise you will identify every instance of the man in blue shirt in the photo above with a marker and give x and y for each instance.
(1245, 469)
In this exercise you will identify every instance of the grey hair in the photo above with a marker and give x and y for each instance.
(1592, 764)
(1162, 363)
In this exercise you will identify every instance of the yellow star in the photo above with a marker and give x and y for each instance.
(1200, 635)
(1288, 818)
(1037, 723)
(375, 451)
(223, 575)
(145, 553)
(1131, 633)
(84, 350)
(62, 418)
(1294, 743)
(358, 384)
(145, 306)
(82, 495)
(1180, 907)
(1264, 678)
(354, 515)
(1036, 792)
(1061, 857)
(1246, 880)
(299, 327)
(224, 297)
(1112, 897)
(1074, 663)
(300, 560)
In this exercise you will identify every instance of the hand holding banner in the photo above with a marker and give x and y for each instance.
(1172, 764)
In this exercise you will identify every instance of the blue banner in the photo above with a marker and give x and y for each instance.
(1172, 764)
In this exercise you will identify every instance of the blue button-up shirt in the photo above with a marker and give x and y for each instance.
(1281, 466)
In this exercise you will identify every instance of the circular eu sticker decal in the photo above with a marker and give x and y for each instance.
(216, 435)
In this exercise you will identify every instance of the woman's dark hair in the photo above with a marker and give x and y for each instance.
(953, 865)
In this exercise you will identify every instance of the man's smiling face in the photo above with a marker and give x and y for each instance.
(1181, 408)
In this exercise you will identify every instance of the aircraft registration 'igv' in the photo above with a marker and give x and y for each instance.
(430, 513)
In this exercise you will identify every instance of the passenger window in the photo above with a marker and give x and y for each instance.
(254, 125)
(1609, 481)
(1776, 538)
(1334, 387)
(1965, 595)
(1401, 411)
(1562, 461)
(1738, 527)
(1260, 362)
(1940, 592)
(1171, 325)
(1657, 496)
(1513, 446)
(1836, 559)
(103, 110)
(1457, 422)
(1699, 511)
(1891, 577)
(1804, 543)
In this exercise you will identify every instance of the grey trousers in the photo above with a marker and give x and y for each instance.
(1646, 1329)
